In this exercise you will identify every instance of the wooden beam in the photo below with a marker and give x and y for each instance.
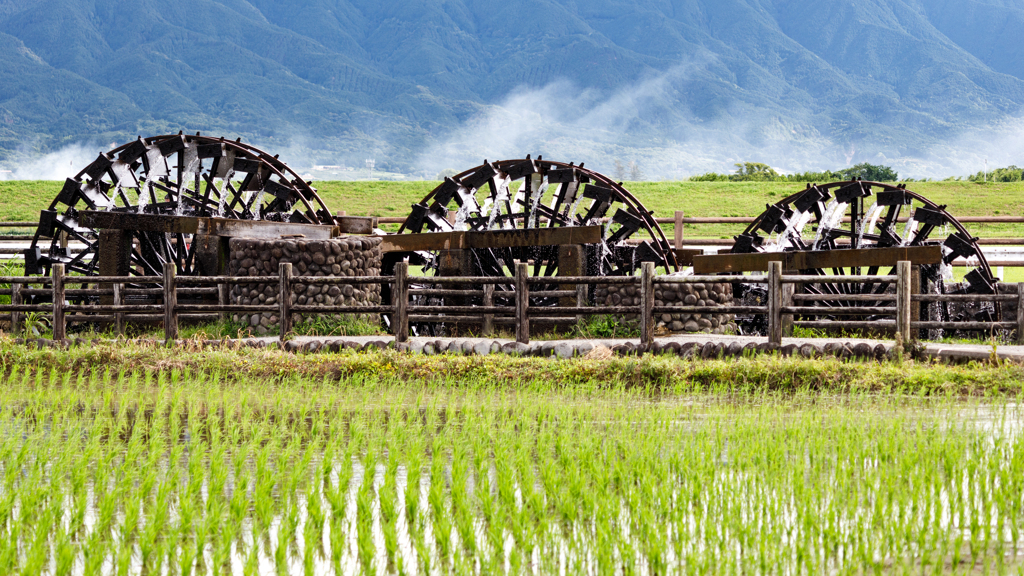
(492, 239)
(684, 256)
(140, 222)
(225, 227)
(813, 260)
(356, 224)
(232, 228)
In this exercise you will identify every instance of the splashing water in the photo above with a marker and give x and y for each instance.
(868, 223)
(792, 234)
(832, 217)
(909, 231)
(191, 160)
(91, 191)
(499, 197)
(536, 194)
(221, 199)
(605, 250)
(257, 206)
(575, 206)
(144, 196)
(460, 219)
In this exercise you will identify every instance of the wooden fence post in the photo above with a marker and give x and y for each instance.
(647, 303)
(400, 300)
(775, 302)
(678, 229)
(118, 301)
(787, 300)
(284, 299)
(915, 307)
(1020, 313)
(222, 300)
(522, 303)
(59, 327)
(15, 315)
(581, 300)
(170, 303)
(488, 327)
(903, 300)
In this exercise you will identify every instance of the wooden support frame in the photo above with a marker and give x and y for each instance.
(678, 230)
(903, 300)
(684, 256)
(16, 300)
(522, 303)
(815, 260)
(775, 302)
(118, 301)
(226, 227)
(59, 325)
(488, 325)
(647, 303)
(170, 303)
(492, 239)
(400, 295)
(284, 299)
(1020, 313)
(355, 224)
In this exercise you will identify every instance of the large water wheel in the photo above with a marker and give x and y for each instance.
(861, 214)
(178, 175)
(535, 193)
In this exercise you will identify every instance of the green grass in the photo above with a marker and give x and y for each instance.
(206, 469)
(22, 200)
(664, 373)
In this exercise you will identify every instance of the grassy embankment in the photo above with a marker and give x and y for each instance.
(143, 460)
(22, 200)
(667, 374)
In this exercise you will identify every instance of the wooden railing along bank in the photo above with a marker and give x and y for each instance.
(783, 304)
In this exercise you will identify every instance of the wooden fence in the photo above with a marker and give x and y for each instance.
(782, 305)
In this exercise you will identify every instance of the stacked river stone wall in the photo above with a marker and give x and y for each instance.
(719, 294)
(339, 257)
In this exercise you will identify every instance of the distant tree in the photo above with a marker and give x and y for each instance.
(635, 175)
(710, 177)
(620, 170)
(446, 173)
(1008, 174)
(871, 172)
(754, 171)
(815, 177)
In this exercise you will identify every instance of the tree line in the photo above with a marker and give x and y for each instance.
(760, 172)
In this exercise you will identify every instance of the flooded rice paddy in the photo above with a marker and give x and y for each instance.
(184, 475)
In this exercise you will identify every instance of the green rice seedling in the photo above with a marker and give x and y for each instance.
(437, 503)
(462, 511)
(313, 532)
(388, 502)
(252, 561)
(94, 553)
(338, 542)
(574, 478)
(337, 494)
(310, 549)
(123, 560)
(364, 516)
(285, 538)
(413, 458)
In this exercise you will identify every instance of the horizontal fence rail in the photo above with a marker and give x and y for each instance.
(503, 301)
(750, 220)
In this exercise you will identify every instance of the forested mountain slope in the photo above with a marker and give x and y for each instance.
(402, 79)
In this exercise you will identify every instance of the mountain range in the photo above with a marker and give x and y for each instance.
(678, 86)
